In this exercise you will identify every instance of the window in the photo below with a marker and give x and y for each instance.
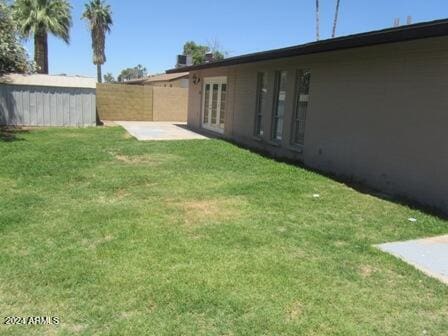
(279, 106)
(262, 90)
(301, 106)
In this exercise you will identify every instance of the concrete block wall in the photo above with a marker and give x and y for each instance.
(118, 102)
(170, 104)
(124, 102)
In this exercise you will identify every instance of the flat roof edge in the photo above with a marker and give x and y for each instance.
(48, 81)
(417, 31)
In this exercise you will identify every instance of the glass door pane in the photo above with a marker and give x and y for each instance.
(206, 103)
(222, 105)
(214, 104)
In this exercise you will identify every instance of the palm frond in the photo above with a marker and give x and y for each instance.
(48, 16)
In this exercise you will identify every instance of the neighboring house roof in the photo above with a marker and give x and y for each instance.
(49, 80)
(158, 78)
(167, 77)
(398, 34)
(134, 81)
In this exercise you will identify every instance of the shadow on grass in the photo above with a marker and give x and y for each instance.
(346, 180)
(11, 133)
(360, 186)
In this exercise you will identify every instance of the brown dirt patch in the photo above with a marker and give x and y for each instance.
(294, 311)
(6, 183)
(117, 196)
(126, 135)
(121, 193)
(71, 135)
(94, 243)
(76, 328)
(201, 212)
(147, 159)
(366, 271)
(340, 243)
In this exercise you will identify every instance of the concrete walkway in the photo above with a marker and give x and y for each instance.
(158, 130)
(429, 255)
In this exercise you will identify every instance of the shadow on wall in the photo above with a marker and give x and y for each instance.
(7, 103)
(8, 133)
(99, 122)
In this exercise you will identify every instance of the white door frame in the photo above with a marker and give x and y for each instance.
(207, 109)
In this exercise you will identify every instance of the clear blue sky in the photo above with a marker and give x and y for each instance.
(153, 32)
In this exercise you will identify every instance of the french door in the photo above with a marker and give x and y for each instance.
(214, 103)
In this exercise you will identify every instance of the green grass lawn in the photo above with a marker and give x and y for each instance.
(119, 237)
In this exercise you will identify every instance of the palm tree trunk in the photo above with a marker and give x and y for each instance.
(317, 21)
(41, 52)
(335, 22)
(98, 73)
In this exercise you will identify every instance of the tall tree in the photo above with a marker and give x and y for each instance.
(40, 17)
(317, 21)
(99, 16)
(336, 14)
(13, 57)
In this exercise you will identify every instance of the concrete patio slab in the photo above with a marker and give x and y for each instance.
(157, 130)
(429, 255)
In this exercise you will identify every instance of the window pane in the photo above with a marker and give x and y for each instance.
(223, 105)
(214, 103)
(279, 129)
(299, 136)
(279, 112)
(206, 102)
(301, 110)
(261, 101)
(301, 107)
(259, 129)
(281, 95)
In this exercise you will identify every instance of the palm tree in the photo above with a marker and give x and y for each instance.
(99, 16)
(317, 21)
(40, 17)
(335, 22)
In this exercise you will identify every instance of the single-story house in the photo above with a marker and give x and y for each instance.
(179, 80)
(370, 107)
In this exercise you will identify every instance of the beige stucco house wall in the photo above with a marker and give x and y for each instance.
(377, 115)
